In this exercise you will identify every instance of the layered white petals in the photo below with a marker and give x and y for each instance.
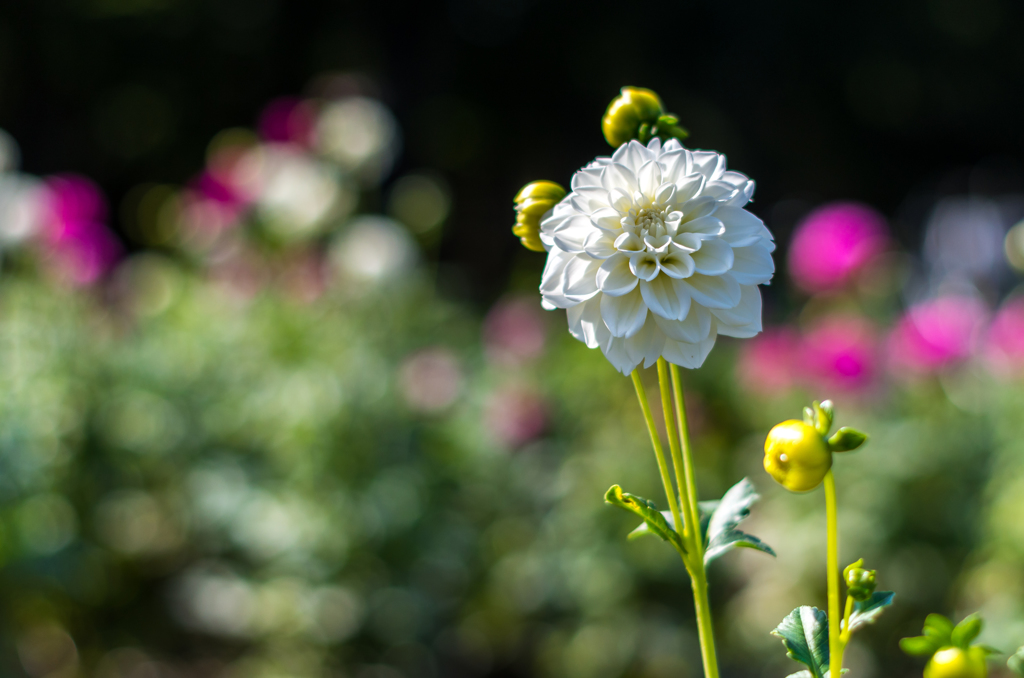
(653, 255)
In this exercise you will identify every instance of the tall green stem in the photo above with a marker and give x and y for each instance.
(673, 445)
(835, 647)
(688, 489)
(666, 479)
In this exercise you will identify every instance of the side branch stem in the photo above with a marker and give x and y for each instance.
(835, 646)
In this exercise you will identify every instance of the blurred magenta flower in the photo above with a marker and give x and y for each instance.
(514, 331)
(769, 361)
(840, 352)
(515, 415)
(1004, 345)
(82, 247)
(833, 243)
(937, 333)
(288, 120)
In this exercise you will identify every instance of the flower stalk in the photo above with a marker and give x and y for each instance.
(835, 644)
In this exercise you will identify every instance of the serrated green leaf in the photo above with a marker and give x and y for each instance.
(920, 646)
(647, 510)
(732, 508)
(846, 439)
(966, 631)
(867, 611)
(804, 633)
(731, 539)
(1016, 662)
(938, 627)
(642, 530)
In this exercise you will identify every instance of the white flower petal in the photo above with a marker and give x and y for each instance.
(687, 242)
(666, 297)
(675, 165)
(617, 175)
(692, 329)
(599, 245)
(633, 155)
(646, 344)
(741, 227)
(585, 322)
(624, 315)
(606, 218)
(658, 243)
(580, 278)
(644, 265)
(629, 243)
(665, 194)
(676, 263)
(743, 321)
(553, 277)
(614, 277)
(671, 145)
(709, 163)
(744, 195)
(714, 291)
(588, 176)
(713, 258)
(688, 355)
(615, 351)
(649, 178)
(706, 227)
(753, 265)
(697, 208)
(589, 198)
(572, 233)
(620, 200)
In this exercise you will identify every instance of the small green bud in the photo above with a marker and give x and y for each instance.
(846, 439)
(954, 662)
(796, 456)
(860, 583)
(532, 202)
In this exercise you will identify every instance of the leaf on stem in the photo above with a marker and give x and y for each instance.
(804, 634)
(846, 439)
(937, 633)
(867, 611)
(966, 631)
(1016, 662)
(647, 510)
(721, 534)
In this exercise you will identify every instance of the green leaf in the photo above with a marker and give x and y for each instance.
(1016, 662)
(809, 416)
(823, 413)
(804, 633)
(706, 509)
(719, 521)
(920, 646)
(730, 539)
(966, 631)
(846, 439)
(938, 627)
(647, 510)
(867, 611)
(988, 649)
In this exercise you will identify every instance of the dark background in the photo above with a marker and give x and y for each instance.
(874, 102)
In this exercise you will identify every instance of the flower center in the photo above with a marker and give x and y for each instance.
(651, 220)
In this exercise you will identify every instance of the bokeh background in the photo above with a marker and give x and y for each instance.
(277, 397)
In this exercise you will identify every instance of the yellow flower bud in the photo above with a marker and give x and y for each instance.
(797, 456)
(953, 662)
(532, 202)
(635, 106)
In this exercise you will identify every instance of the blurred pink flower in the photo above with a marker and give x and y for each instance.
(841, 352)
(82, 247)
(1004, 345)
(833, 243)
(936, 333)
(514, 331)
(430, 379)
(769, 361)
(288, 120)
(515, 415)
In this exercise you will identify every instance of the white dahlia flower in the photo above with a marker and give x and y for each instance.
(652, 254)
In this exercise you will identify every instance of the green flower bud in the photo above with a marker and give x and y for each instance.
(637, 113)
(954, 662)
(860, 583)
(532, 202)
(796, 456)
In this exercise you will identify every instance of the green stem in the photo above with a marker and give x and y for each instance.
(844, 632)
(666, 479)
(698, 575)
(835, 648)
(673, 445)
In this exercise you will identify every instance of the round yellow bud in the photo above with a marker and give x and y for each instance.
(532, 202)
(797, 456)
(953, 662)
(633, 107)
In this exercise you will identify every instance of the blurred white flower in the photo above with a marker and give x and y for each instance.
(373, 248)
(10, 157)
(295, 194)
(361, 135)
(661, 229)
(21, 207)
